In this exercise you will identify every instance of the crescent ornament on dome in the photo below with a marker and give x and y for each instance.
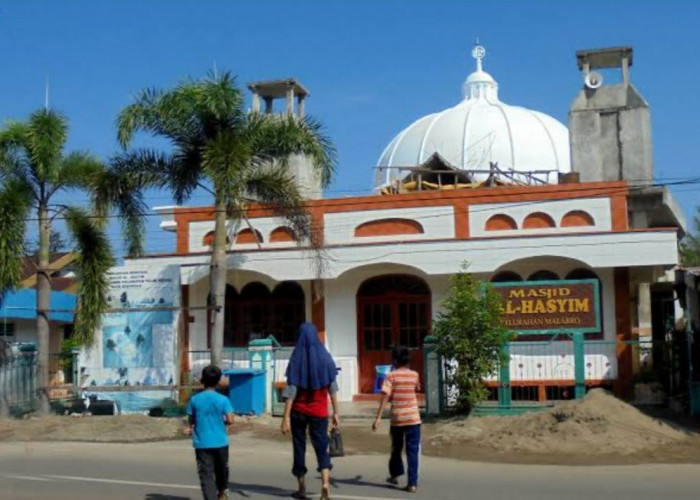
(478, 53)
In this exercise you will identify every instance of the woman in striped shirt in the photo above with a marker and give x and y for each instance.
(400, 388)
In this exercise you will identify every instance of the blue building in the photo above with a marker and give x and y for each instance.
(18, 308)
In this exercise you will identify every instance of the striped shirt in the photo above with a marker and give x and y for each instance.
(401, 385)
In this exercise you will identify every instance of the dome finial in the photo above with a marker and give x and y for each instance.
(478, 53)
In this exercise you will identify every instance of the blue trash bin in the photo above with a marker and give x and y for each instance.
(381, 372)
(246, 390)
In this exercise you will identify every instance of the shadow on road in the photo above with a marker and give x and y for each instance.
(158, 496)
(358, 481)
(245, 490)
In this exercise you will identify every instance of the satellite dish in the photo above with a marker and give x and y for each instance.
(593, 80)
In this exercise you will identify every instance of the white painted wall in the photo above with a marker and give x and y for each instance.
(598, 208)
(25, 331)
(341, 316)
(265, 225)
(437, 222)
(615, 249)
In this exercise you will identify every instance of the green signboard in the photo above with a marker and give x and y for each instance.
(548, 307)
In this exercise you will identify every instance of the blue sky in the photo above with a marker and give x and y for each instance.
(372, 66)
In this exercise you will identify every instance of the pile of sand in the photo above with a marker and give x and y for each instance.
(596, 425)
(123, 429)
(104, 429)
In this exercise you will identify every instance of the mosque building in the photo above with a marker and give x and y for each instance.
(512, 191)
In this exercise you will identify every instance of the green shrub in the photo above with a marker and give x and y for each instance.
(470, 336)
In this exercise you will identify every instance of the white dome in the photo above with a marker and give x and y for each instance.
(479, 131)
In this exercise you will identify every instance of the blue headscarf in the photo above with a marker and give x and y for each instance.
(311, 366)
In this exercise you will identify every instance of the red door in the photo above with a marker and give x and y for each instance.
(392, 310)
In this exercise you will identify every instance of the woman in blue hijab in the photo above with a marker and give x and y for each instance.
(311, 381)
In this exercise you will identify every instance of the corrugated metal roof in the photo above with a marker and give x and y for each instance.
(21, 304)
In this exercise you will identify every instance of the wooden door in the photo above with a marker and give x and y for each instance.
(392, 310)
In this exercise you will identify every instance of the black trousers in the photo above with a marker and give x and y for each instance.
(318, 432)
(212, 466)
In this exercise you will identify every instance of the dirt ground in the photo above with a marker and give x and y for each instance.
(599, 429)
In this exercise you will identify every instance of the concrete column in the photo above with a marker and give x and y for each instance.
(256, 102)
(268, 105)
(290, 101)
(644, 309)
(625, 71)
(300, 106)
(644, 327)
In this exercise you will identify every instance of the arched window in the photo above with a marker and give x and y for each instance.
(577, 218)
(208, 239)
(256, 312)
(388, 227)
(543, 275)
(500, 222)
(253, 310)
(247, 236)
(582, 274)
(401, 284)
(538, 220)
(505, 277)
(282, 235)
(288, 312)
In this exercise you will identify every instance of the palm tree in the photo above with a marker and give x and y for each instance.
(34, 170)
(239, 157)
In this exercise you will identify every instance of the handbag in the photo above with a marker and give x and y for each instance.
(335, 444)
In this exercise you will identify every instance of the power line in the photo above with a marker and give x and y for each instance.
(388, 199)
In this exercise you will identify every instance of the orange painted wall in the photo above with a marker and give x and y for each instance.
(388, 227)
(538, 220)
(461, 200)
(500, 222)
(577, 218)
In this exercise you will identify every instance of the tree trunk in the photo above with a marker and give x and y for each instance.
(218, 284)
(43, 304)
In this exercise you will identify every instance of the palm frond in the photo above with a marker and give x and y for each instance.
(121, 187)
(93, 262)
(219, 101)
(15, 203)
(13, 135)
(147, 168)
(225, 160)
(275, 188)
(139, 116)
(78, 169)
(47, 133)
(277, 137)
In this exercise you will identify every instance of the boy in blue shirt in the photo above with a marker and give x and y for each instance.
(209, 413)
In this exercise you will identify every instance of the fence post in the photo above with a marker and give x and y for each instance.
(434, 395)
(579, 366)
(260, 357)
(504, 392)
(74, 369)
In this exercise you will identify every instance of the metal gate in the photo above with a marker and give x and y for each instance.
(18, 379)
(537, 374)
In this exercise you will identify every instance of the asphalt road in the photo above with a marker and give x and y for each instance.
(260, 470)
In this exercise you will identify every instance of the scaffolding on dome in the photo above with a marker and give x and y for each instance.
(436, 174)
